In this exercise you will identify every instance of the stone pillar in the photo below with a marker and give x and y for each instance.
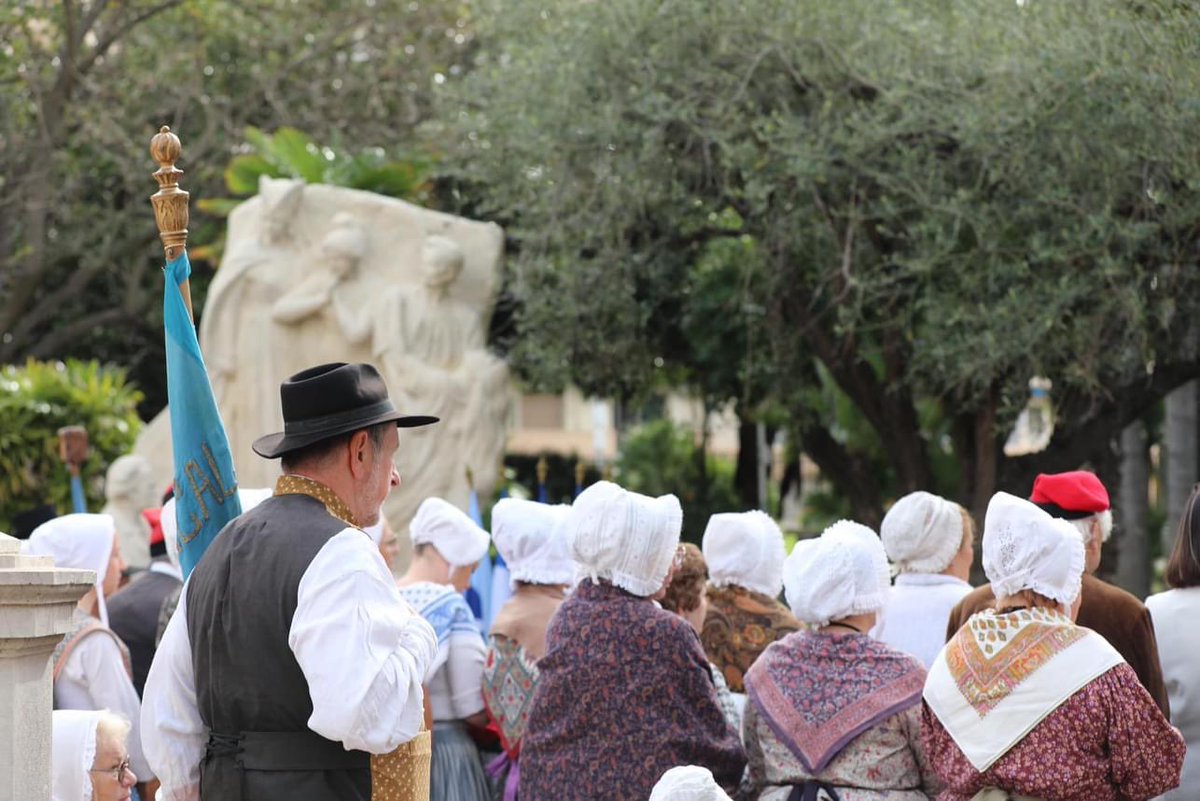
(37, 601)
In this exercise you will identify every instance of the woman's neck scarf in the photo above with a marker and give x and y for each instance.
(1002, 674)
(819, 691)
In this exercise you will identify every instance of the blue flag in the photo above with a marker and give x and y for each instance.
(479, 594)
(205, 484)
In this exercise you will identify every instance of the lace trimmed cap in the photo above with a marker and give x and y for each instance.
(745, 549)
(841, 573)
(922, 533)
(623, 537)
(688, 783)
(532, 538)
(73, 752)
(447, 528)
(1025, 548)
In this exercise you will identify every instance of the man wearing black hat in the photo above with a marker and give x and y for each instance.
(1079, 497)
(291, 657)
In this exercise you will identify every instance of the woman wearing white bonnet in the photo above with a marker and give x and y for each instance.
(833, 713)
(91, 668)
(624, 690)
(744, 553)
(1024, 703)
(931, 542)
(446, 546)
(532, 539)
(688, 783)
(89, 761)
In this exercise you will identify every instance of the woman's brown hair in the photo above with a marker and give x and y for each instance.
(1183, 568)
(683, 594)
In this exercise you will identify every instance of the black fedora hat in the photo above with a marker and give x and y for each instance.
(331, 399)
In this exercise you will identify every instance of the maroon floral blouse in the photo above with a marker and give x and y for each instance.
(624, 695)
(1107, 742)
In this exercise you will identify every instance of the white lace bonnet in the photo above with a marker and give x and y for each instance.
(746, 550)
(624, 537)
(841, 573)
(922, 533)
(688, 783)
(532, 538)
(1025, 548)
(448, 528)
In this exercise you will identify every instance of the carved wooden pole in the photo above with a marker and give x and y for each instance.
(170, 202)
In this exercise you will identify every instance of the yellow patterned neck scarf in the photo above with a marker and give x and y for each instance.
(303, 485)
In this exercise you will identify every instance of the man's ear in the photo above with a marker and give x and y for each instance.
(359, 454)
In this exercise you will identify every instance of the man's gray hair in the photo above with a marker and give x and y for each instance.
(1084, 524)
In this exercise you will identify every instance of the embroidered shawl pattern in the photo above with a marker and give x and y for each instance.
(1002, 674)
(739, 626)
(819, 691)
(1002, 651)
(509, 679)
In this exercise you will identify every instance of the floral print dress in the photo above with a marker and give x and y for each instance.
(624, 695)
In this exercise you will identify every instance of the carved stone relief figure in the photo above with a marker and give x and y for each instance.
(243, 345)
(316, 274)
(130, 486)
(431, 349)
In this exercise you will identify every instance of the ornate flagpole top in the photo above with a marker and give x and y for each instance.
(170, 202)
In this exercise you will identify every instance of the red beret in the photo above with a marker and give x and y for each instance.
(1071, 496)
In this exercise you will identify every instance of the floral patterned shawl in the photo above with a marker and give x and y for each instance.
(1003, 673)
(818, 691)
(740, 624)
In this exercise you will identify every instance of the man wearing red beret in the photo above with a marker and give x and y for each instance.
(1079, 497)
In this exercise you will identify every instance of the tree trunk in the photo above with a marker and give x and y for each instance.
(746, 476)
(1179, 442)
(851, 475)
(1132, 534)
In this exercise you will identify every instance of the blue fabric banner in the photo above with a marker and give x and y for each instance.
(205, 483)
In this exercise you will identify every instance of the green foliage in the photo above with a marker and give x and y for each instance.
(289, 153)
(661, 457)
(84, 86)
(925, 202)
(39, 398)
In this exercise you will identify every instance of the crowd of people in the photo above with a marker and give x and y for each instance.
(862, 666)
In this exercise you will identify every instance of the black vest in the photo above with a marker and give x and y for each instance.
(250, 691)
(133, 614)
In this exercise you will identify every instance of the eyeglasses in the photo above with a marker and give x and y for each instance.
(119, 772)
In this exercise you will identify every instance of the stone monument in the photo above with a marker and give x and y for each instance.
(37, 602)
(317, 274)
(130, 486)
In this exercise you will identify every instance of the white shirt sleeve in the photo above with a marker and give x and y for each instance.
(464, 669)
(173, 735)
(97, 662)
(362, 649)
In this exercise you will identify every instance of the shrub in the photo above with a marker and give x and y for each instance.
(37, 399)
(662, 457)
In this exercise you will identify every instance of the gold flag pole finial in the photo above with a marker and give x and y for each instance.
(170, 202)
(580, 472)
(543, 468)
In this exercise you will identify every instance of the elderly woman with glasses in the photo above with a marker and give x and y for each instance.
(624, 693)
(1023, 703)
(91, 667)
(89, 759)
(833, 713)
